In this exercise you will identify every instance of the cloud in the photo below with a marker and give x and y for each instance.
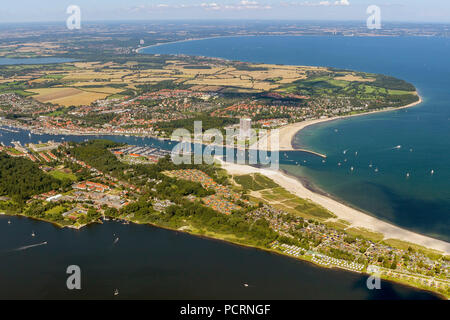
(342, 3)
(316, 4)
(241, 5)
(237, 6)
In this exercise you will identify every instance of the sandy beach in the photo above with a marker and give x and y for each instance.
(355, 217)
(287, 133)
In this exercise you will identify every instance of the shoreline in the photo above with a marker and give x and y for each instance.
(288, 132)
(356, 218)
(304, 258)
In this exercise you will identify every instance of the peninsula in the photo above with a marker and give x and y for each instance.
(122, 92)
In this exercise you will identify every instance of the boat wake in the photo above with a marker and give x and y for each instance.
(30, 246)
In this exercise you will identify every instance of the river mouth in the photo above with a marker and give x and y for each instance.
(379, 182)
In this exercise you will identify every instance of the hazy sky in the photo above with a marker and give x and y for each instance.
(391, 10)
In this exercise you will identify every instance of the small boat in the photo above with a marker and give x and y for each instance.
(9, 222)
(352, 168)
(116, 240)
(432, 172)
(116, 292)
(407, 174)
(33, 234)
(246, 285)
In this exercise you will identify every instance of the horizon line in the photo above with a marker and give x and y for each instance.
(223, 20)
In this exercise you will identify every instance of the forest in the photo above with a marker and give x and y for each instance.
(21, 178)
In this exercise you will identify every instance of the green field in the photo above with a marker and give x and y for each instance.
(270, 192)
(56, 210)
(255, 182)
(61, 175)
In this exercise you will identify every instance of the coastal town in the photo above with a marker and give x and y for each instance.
(124, 93)
(89, 194)
(117, 97)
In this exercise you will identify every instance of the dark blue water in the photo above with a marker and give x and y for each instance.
(152, 263)
(421, 202)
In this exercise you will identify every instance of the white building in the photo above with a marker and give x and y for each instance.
(245, 127)
(54, 198)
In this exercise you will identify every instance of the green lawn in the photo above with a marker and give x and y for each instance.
(61, 175)
(255, 182)
(56, 210)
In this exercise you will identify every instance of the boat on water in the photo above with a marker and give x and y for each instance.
(116, 292)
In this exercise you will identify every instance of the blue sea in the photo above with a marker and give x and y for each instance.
(393, 153)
